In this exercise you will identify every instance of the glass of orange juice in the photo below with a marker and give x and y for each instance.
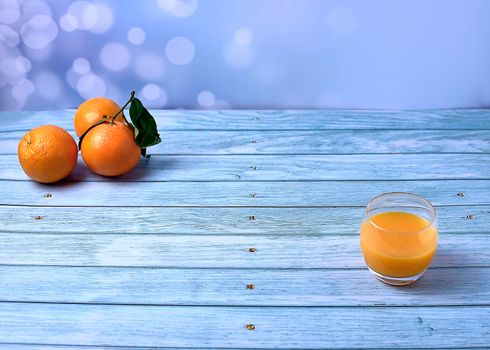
(399, 237)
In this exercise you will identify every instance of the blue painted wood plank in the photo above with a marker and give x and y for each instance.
(226, 327)
(217, 251)
(242, 287)
(305, 142)
(286, 168)
(25, 346)
(172, 120)
(199, 266)
(238, 193)
(30, 346)
(219, 221)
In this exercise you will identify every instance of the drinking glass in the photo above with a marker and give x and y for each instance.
(399, 237)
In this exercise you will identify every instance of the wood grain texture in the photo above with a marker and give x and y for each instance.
(173, 120)
(191, 251)
(10, 346)
(30, 346)
(136, 286)
(305, 142)
(240, 193)
(219, 221)
(226, 326)
(160, 258)
(25, 346)
(289, 168)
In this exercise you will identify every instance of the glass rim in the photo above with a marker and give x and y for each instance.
(429, 204)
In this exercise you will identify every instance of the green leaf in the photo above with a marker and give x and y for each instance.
(146, 133)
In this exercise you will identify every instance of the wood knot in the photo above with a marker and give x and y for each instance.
(250, 327)
(250, 286)
(253, 195)
(39, 217)
(470, 217)
(460, 194)
(256, 118)
(48, 195)
(252, 250)
(252, 218)
(254, 167)
(254, 141)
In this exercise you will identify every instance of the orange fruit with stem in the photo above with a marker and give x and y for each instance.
(47, 153)
(109, 149)
(91, 111)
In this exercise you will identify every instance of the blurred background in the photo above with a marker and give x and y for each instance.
(406, 54)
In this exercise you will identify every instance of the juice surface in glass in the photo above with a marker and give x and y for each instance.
(398, 244)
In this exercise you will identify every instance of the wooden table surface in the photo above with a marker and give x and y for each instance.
(242, 220)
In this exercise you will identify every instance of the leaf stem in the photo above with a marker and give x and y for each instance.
(100, 121)
(122, 109)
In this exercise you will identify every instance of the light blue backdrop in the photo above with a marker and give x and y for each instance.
(246, 53)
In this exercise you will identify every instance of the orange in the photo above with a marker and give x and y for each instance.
(47, 153)
(110, 149)
(91, 111)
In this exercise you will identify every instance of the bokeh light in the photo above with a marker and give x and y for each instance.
(9, 36)
(83, 14)
(11, 72)
(206, 99)
(238, 53)
(68, 23)
(136, 36)
(35, 7)
(115, 56)
(81, 65)
(150, 91)
(91, 85)
(180, 50)
(39, 32)
(9, 11)
(22, 90)
(22, 64)
(105, 19)
(243, 36)
(179, 8)
(72, 78)
(245, 53)
(153, 96)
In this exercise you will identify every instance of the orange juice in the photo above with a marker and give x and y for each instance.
(398, 244)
